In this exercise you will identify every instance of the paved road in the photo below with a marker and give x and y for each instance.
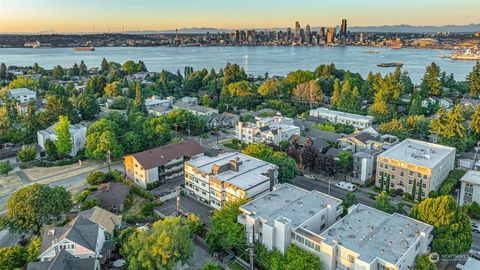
(322, 186)
(476, 241)
(189, 205)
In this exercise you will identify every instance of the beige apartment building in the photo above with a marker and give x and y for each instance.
(412, 162)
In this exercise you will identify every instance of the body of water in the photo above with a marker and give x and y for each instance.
(256, 60)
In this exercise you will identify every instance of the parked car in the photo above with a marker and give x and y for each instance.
(310, 176)
(346, 186)
(475, 228)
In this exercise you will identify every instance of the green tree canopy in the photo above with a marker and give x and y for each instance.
(383, 203)
(225, 231)
(63, 142)
(451, 225)
(161, 247)
(29, 208)
(28, 153)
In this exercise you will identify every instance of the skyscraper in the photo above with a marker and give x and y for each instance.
(343, 29)
(331, 34)
(297, 31)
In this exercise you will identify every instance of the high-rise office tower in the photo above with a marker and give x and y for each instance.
(289, 32)
(308, 34)
(343, 29)
(297, 31)
(322, 32)
(331, 34)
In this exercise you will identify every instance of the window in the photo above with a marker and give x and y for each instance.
(393, 169)
(392, 185)
(350, 258)
(401, 174)
(410, 173)
(424, 185)
(410, 182)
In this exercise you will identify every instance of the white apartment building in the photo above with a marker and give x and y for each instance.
(336, 117)
(228, 177)
(415, 162)
(470, 187)
(266, 130)
(363, 167)
(367, 239)
(23, 95)
(77, 132)
(156, 102)
(274, 217)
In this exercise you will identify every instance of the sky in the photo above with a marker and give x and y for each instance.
(134, 15)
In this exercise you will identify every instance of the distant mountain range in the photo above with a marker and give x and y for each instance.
(401, 28)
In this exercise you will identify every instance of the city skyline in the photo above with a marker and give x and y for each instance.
(103, 16)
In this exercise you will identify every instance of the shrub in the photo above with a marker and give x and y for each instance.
(451, 182)
(5, 167)
(90, 204)
(433, 194)
(27, 154)
(407, 196)
(96, 178)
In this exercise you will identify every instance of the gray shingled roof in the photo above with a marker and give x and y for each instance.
(102, 217)
(64, 261)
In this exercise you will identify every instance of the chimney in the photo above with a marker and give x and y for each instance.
(235, 164)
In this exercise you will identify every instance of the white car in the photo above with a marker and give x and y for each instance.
(310, 176)
(346, 186)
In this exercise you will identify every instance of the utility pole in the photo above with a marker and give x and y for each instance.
(178, 199)
(109, 158)
(250, 249)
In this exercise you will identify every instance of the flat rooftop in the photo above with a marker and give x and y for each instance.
(472, 177)
(356, 117)
(375, 234)
(290, 202)
(420, 153)
(15, 92)
(252, 171)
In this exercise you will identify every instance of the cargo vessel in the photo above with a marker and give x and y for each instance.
(84, 49)
(392, 64)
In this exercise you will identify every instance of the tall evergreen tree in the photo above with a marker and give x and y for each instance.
(336, 93)
(138, 103)
(475, 123)
(473, 79)
(420, 192)
(64, 139)
(414, 188)
(431, 83)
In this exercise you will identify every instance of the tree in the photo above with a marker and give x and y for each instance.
(414, 188)
(270, 88)
(473, 210)
(423, 262)
(383, 203)
(297, 258)
(29, 208)
(17, 257)
(64, 139)
(89, 204)
(23, 82)
(5, 167)
(336, 93)
(83, 69)
(286, 164)
(382, 182)
(138, 103)
(420, 192)
(161, 247)
(451, 226)
(345, 161)
(133, 142)
(308, 93)
(87, 105)
(349, 100)
(28, 153)
(449, 127)
(225, 231)
(473, 80)
(431, 84)
(98, 143)
(113, 89)
(233, 73)
(349, 200)
(475, 123)
(387, 186)
(157, 131)
(96, 178)
(3, 71)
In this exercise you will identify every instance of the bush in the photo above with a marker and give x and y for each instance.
(433, 194)
(407, 196)
(88, 204)
(27, 154)
(153, 185)
(96, 178)
(452, 180)
(5, 167)
(147, 209)
(82, 196)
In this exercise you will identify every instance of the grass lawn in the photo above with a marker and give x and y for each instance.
(236, 266)
(136, 206)
(231, 146)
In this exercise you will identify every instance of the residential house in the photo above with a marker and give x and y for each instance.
(81, 238)
(266, 130)
(337, 117)
(111, 195)
(412, 162)
(222, 120)
(331, 137)
(367, 239)
(359, 141)
(66, 261)
(108, 220)
(469, 102)
(228, 177)
(161, 164)
(273, 218)
(23, 95)
(77, 132)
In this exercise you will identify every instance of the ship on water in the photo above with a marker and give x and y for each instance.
(84, 49)
(466, 54)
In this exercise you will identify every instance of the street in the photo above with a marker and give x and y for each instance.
(322, 186)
